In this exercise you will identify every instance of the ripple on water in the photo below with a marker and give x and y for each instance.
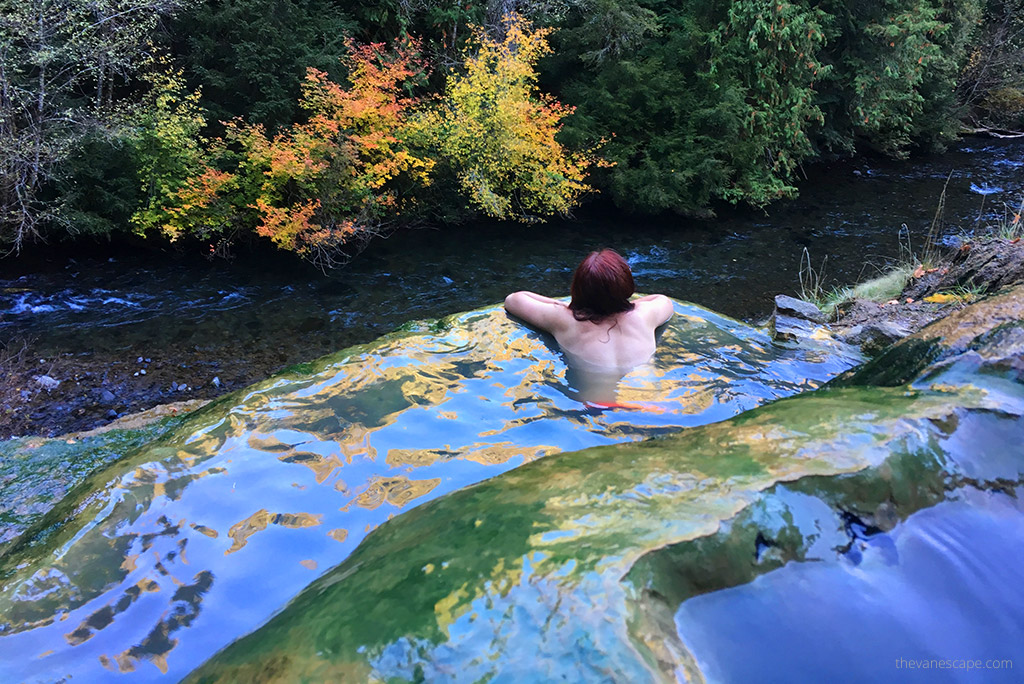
(864, 619)
(200, 538)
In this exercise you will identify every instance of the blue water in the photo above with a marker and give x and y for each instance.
(198, 539)
(934, 600)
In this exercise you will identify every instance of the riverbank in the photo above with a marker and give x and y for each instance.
(875, 314)
(65, 393)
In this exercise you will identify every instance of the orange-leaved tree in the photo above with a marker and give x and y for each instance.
(339, 177)
(358, 162)
(497, 132)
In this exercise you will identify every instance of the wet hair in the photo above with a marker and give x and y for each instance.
(601, 287)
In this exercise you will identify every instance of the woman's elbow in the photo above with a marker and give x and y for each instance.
(513, 303)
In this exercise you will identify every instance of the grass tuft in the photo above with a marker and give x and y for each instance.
(1009, 226)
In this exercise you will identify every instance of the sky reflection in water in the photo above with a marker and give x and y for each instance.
(199, 539)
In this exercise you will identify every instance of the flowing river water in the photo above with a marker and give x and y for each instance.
(849, 212)
(196, 538)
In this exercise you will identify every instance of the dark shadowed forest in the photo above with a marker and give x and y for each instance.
(316, 124)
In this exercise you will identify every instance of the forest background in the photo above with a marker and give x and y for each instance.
(318, 124)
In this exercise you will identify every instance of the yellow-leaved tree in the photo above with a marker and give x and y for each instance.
(496, 131)
(368, 152)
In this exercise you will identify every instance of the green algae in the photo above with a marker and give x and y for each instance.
(572, 567)
(534, 552)
(37, 473)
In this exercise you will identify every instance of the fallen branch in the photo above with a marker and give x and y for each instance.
(994, 132)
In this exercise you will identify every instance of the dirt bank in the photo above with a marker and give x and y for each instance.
(973, 271)
(60, 393)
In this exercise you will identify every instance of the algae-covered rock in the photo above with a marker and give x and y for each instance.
(570, 568)
(991, 332)
(578, 567)
(37, 472)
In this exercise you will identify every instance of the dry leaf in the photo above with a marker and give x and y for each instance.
(918, 272)
(910, 300)
(891, 301)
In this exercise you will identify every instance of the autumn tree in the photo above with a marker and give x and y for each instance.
(320, 188)
(497, 133)
(60, 63)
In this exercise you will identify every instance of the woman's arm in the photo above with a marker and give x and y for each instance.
(537, 310)
(655, 309)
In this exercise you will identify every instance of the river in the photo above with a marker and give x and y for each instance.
(849, 212)
(188, 542)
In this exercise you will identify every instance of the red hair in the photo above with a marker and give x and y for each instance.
(601, 286)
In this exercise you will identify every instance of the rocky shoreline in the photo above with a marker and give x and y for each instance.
(54, 394)
(974, 271)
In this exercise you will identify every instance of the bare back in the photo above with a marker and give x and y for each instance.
(618, 342)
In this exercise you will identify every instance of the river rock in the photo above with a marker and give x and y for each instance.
(798, 308)
(46, 382)
(985, 265)
(988, 334)
(789, 329)
(872, 338)
(794, 320)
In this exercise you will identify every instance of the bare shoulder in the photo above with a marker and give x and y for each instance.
(654, 309)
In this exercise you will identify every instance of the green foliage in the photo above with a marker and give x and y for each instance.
(100, 186)
(766, 54)
(694, 102)
(896, 63)
(249, 56)
(163, 137)
(719, 104)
